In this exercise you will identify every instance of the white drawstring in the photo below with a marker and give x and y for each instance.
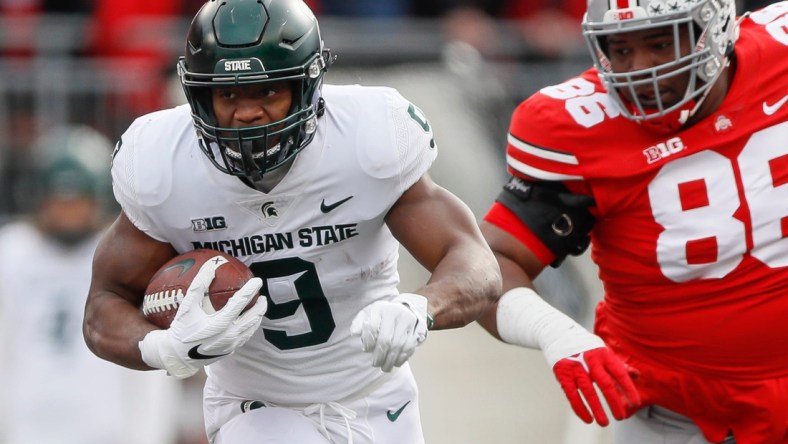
(346, 414)
(337, 406)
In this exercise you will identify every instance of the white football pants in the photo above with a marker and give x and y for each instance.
(387, 415)
(657, 425)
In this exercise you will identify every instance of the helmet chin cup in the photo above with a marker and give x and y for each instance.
(668, 123)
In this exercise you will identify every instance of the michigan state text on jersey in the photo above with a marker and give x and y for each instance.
(315, 188)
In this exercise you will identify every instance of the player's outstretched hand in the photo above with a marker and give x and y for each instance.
(391, 330)
(579, 358)
(195, 338)
(579, 373)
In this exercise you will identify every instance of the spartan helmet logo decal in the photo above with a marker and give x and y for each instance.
(269, 210)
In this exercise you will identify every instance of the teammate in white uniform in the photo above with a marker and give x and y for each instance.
(313, 188)
(52, 389)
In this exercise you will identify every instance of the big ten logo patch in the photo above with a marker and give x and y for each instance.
(209, 223)
(664, 149)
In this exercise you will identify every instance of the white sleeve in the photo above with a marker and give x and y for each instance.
(415, 143)
(125, 160)
(7, 234)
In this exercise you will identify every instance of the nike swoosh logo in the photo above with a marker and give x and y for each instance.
(771, 109)
(329, 208)
(184, 265)
(194, 353)
(392, 416)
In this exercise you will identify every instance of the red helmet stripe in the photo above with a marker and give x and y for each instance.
(623, 4)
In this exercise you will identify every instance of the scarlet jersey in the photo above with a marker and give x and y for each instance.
(691, 233)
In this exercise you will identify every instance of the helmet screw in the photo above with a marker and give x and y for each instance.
(706, 13)
(711, 68)
(314, 70)
(311, 125)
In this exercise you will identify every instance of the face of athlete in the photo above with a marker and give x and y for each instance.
(251, 105)
(68, 219)
(639, 50)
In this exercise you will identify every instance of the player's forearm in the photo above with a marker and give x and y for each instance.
(113, 328)
(462, 287)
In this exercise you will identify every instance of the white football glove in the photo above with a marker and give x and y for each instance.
(195, 338)
(392, 330)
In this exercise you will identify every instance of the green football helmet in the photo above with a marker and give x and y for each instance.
(71, 185)
(72, 161)
(247, 42)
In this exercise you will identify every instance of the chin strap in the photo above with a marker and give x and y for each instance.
(671, 122)
(248, 162)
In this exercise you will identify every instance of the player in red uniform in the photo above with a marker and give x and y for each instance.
(670, 157)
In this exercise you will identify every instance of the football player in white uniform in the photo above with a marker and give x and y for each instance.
(314, 188)
(52, 389)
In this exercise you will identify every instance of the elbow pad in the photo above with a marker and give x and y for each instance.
(559, 218)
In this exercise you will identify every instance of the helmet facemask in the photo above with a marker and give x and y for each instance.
(703, 34)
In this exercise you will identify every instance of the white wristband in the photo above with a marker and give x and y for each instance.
(524, 319)
(150, 352)
(157, 352)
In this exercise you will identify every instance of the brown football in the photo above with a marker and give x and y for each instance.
(168, 286)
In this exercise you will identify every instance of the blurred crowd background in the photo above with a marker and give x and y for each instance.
(92, 66)
(103, 62)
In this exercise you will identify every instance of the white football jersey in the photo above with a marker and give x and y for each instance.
(318, 239)
(52, 388)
